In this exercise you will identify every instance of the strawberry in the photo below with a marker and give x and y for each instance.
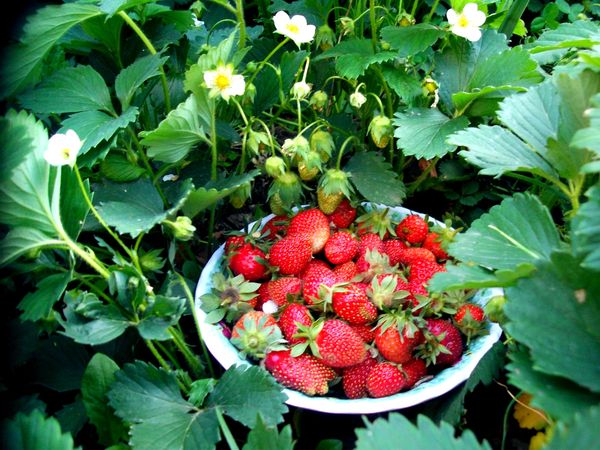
(293, 314)
(421, 271)
(344, 214)
(470, 319)
(290, 254)
(313, 224)
(394, 248)
(385, 379)
(377, 221)
(411, 254)
(412, 229)
(333, 186)
(280, 290)
(248, 260)
(256, 333)
(352, 304)
(275, 227)
(365, 331)
(433, 243)
(233, 243)
(414, 370)
(304, 373)
(370, 241)
(397, 335)
(354, 379)
(317, 280)
(387, 290)
(373, 263)
(443, 344)
(345, 272)
(334, 342)
(341, 247)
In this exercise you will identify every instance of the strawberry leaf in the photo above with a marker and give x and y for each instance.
(263, 437)
(373, 178)
(586, 239)
(35, 431)
(582, 432)
(398, 433)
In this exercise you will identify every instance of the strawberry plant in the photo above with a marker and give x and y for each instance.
(141, 135)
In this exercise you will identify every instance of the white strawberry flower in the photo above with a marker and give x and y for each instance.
(223, 82)
(301, 89)
(63, 149)
(357, 99)
(296, 28)
(467, 23)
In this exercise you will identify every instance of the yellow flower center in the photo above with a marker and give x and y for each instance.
(293, 28)
(66, 152)
(463, 21)
(222, 81)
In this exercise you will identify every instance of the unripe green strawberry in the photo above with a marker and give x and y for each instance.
(334, 185)
(325, 38)
(318, 101)
(295, 147)
(309, 166)
(238, 198)
(277, 206)
(257, 141)
(285, 191)
(321, 142)
(275, 166)
(328, 202)
(304, 373)
(381, 130)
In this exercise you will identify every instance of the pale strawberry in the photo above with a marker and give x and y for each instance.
(385, 379)
(354, 379)
(314, 225)
(291, 254)
(352, 304)
(341, 247)
(304, 373)
(412, 229)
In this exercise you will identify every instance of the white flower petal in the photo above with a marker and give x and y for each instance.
(473, 34)
(210, 77)
(477, 19)
(469, 9)
(452, 16)
(281, 19)
(299, 21)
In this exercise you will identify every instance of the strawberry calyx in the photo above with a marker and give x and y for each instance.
(376, 221)
(384, 293)
(256, 337)
(230, 298)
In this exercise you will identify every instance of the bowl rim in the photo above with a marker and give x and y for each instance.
(227, 355)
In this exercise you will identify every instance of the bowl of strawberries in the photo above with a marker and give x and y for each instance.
(337, 308)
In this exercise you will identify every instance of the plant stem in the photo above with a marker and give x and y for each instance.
(226, 431)
(373, 20)
(239, 13)
(267, 58)
(432, 10)
(152, 51)
(184, 349)
(342, 148)
(92, 261)
(415, 184)
(414, 8)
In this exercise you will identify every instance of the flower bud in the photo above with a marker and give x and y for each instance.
(151, 261)
(275, 166)
(357, 99)
(249, 94)
(318, 101)
(251, 67)
(182, 228)
(406, 20)
(385, 45)
(325, 37)
(300, 90)
(380, 130)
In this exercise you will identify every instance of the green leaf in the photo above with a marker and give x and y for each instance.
(38, 304)
(518, 231)
(571, 315)
(23, 62)
(422, 132)
(116, 167)
(463, 100)
(413, 39)
(73, 89)
(262, 437)
(354, 56)
(135, 207)
(374, 179)
(553, 44)
(21, 134)
(95, 384)
(245, 391)
(161, 419)
(21, 240)
(405, 85)
(111, 7)
(202, 198)
(88, 321)
(496, 151)
(467, 276)
(161, 313)
(34, 431)
(93, 127)
(398, 433)
(589, 138)
(559, 397)
(582, 432)
(133, 76)
(200, 389)
(175, 136)
(586, 230)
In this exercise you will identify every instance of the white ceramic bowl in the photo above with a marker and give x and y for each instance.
(444, 381)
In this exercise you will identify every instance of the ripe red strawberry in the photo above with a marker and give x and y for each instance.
(394, 248)
(233, 243)
(281, 289)
(433, 243)
(256, 333)
(313, 224)
(304, 373)
(293, 314)
(444, 345)
(247, 260)
(352, 304)
(290, 254)
(338, 345)
(421, 271)
(344, 214)
(316, 281)
(365, 331)
(345, 272)
(412, 229)
(354, 379)
(470, 319)
(397, 335)
(411, 254)
(313, 264)
(275, 227)
(385, 379)
(370, 241)
(414, 370)
(341, 247)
